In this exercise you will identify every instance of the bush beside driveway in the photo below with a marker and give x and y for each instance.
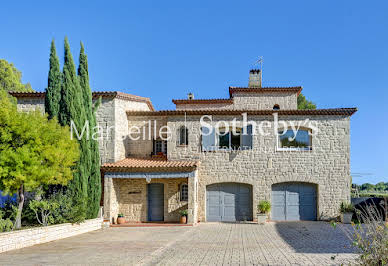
(285, 243)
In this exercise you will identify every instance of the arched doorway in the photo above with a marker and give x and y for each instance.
(228, 202)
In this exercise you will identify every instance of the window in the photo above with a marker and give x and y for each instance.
(276, 107)
(160, 147)
(301, 140)
(226, 139)
(229, 140)
(184, 191)
(183, 136)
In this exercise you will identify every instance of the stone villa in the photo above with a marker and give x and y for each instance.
(216, 173)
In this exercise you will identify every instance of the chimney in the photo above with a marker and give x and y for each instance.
(190, 96)
(254, 78)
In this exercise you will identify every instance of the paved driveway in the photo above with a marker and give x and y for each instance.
(306, 243)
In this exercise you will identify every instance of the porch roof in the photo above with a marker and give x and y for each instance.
(150, 165)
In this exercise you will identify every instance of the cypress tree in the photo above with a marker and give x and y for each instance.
(94, 182)
(72, 110)
(53, 90)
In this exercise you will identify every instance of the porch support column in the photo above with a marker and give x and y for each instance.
(110, 199)
(192, 217)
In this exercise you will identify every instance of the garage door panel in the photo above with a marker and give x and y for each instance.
(293, 201)
(229, 202)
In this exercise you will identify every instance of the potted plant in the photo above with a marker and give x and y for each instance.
(346, 210)
(120, 218)
(263, 209)
(183, 214)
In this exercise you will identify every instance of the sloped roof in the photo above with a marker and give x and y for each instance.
(149, 164)
(312, 112)
(95, 94)
(203, 101)
(233, 90)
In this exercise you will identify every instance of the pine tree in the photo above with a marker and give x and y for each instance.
(72, 111)
(94, 183)
(53, 90)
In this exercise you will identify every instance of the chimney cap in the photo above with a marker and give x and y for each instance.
(254, 71)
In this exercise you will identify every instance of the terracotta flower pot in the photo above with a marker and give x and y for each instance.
(183, 219)
(121, 220)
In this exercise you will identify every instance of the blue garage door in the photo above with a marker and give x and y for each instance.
(294, 202)
(228, 202)
(155, 202)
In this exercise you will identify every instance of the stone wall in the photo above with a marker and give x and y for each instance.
(121, 148)
(31, 104)
(249, 101)
(142, 143)
(132, 198)
(207, 106)
(29, 237)
(327, 165)
(262, 101)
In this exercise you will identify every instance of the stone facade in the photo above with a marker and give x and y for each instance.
(133, 198)
(327, 165)
(31, 104)
(248, 101)
(263, 101)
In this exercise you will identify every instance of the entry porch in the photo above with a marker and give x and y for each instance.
(150, 190)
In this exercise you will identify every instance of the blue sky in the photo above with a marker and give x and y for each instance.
(336, 50)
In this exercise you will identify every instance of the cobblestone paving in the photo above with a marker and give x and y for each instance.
(295, 243)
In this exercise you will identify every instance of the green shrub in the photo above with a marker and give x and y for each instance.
(6, 224)
(370, 237)
(264, 206)
(43, 210)
(183, 212)
(68, 210)
(346, 207)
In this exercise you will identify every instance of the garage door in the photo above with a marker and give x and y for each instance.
(294, 202)
(228, 202)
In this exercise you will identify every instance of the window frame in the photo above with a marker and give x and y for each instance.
(163, 144)
(181, 193)
(179, 137)
(308, 148)
(229, 148)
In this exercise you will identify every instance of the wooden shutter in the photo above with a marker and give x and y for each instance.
(247, 139)
(208, 140)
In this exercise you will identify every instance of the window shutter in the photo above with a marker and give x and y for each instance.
(208, 140)
(247, 139)
(178, 136)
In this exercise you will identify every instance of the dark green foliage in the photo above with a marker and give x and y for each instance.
(53, 90)
(94, 182)
(68, 211)
(72, 112)
(303, 103)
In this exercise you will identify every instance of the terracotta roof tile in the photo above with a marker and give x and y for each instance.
(149, 164)
(233, 90)
(203, 101)
(334, 111)
(95, 94)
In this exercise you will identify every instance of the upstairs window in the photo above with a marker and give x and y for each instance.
(184, 192)
(299, 140)
(226, 139)
(229, 140)
(160, 147)
(183, 136)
